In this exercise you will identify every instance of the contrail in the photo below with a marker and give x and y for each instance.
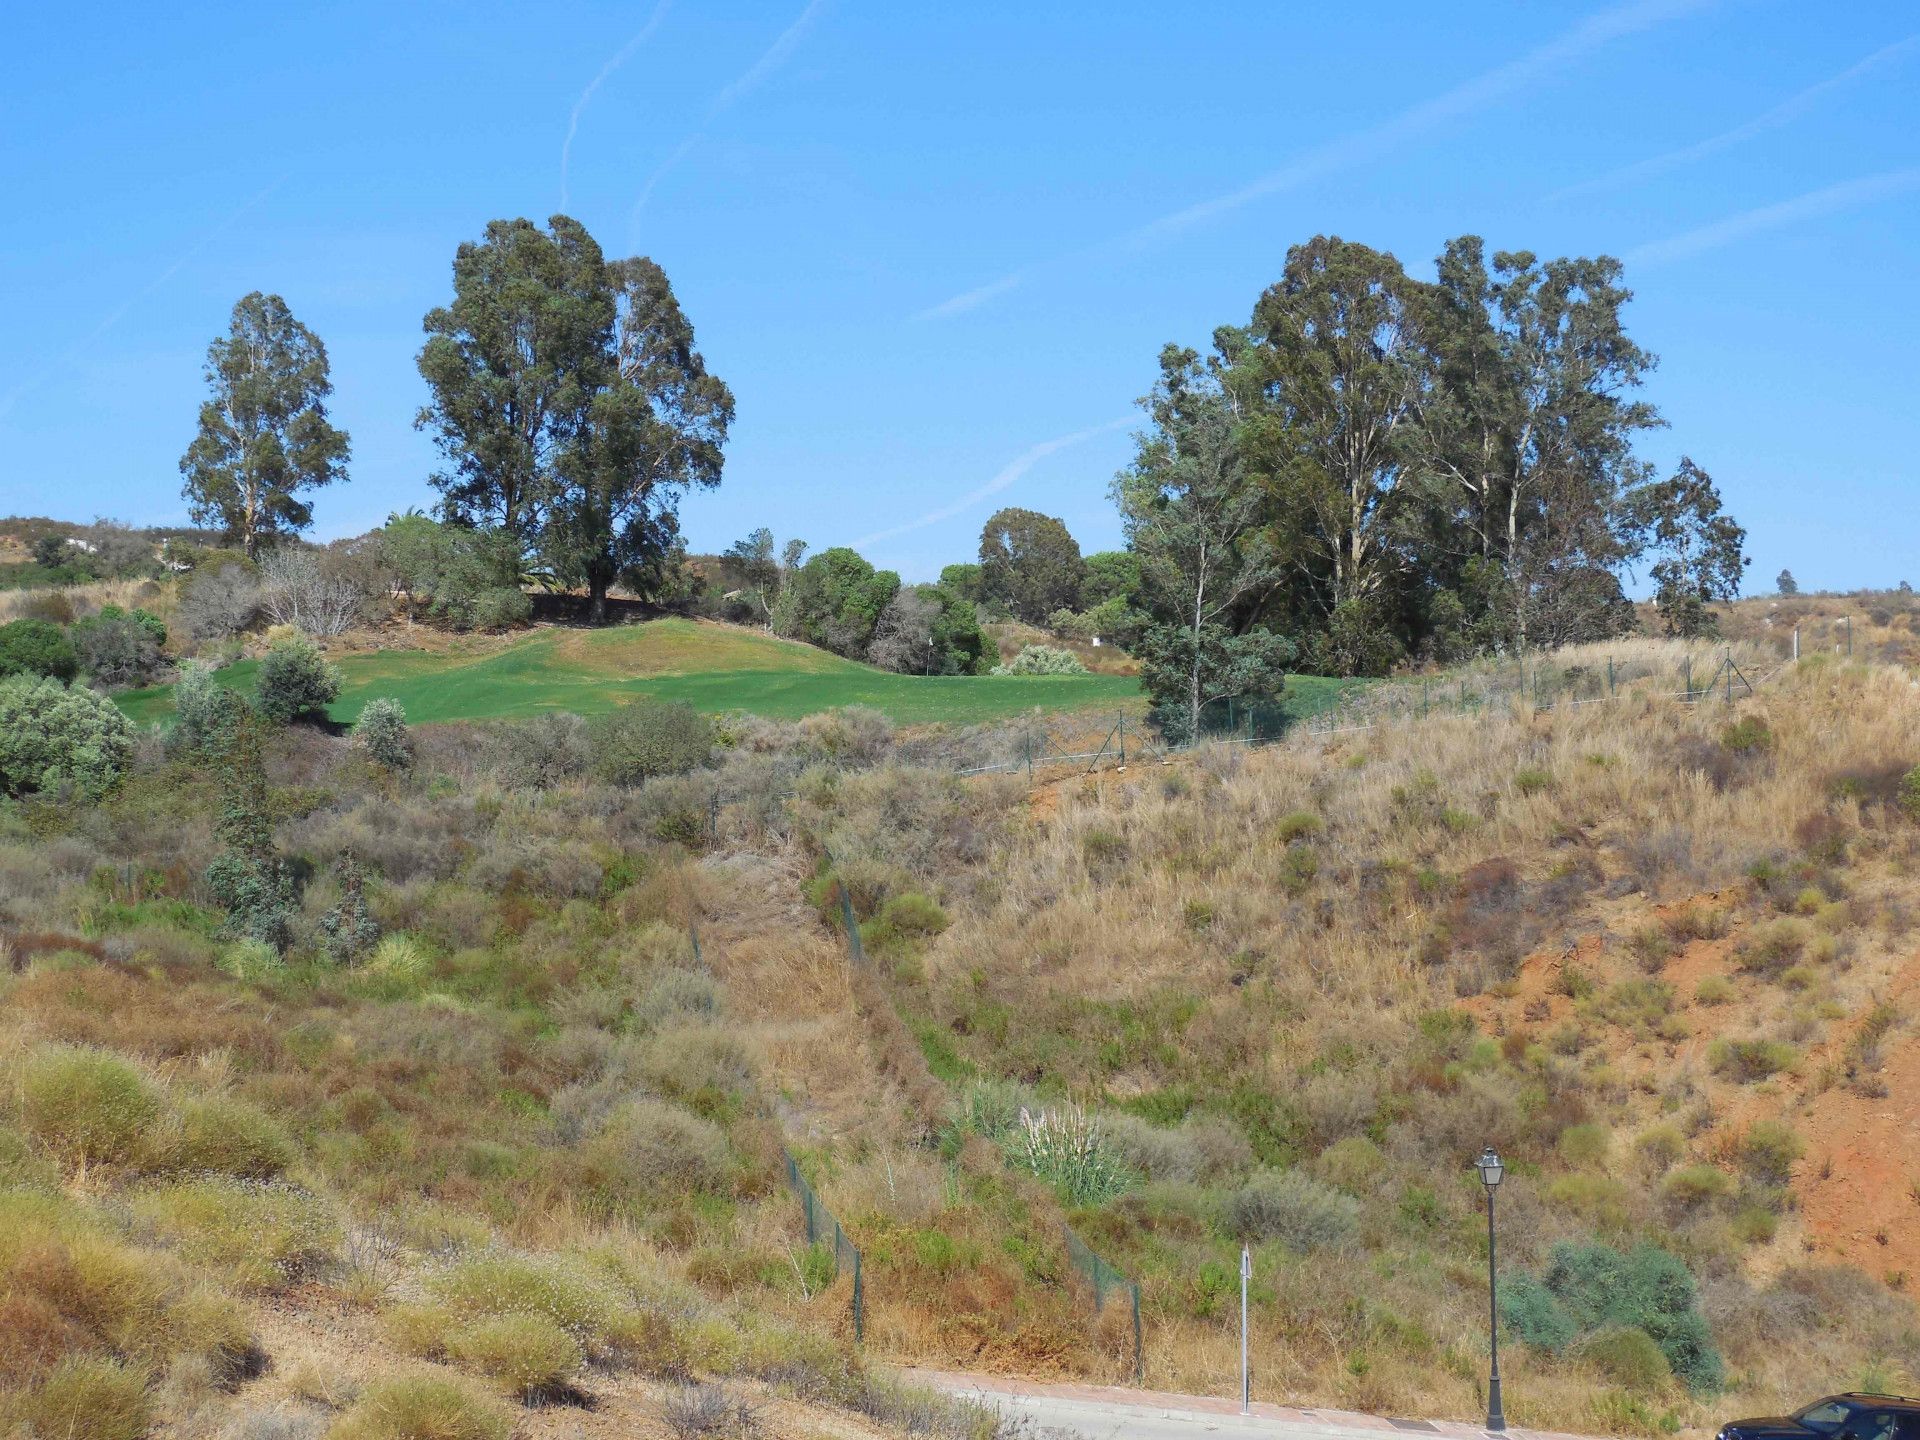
(755, 75)
(620, 58)
(1477, 94)
(1006, 476)
(42, 371)
(1847, 195)
(1788, 110)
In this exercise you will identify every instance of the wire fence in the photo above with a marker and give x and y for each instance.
(1104, 1281)
(825, 1230)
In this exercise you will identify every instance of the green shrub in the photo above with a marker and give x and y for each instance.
(84, 1397)
(200, 708)
(645, 739)
(1294, 1209)
(296, 682)
(523, 1354)
(1628, 1357)
(1585, 1145)
(1768, 1150)
(381, 732)
(1749, 1060)
(1644, 1288)
(87, 1106)
(1909, 796)
(1693, 1185)
(265, 1237)
(1354, 1164)
(650, 1146)
(1042, 660)
(1750, 733)
(505, 1283)
(231, 1137)
(1532, 780)
(423, 1407)
(400, 955)
(37, 649)
(1534, 1313)
(118, 648)
(1713, 990)
(1298, 825)
(53, 738)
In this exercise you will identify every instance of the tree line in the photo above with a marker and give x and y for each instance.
(1372, 469)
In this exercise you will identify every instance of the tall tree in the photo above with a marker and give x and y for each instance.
(1697, 547)
(571, 403)
(1335, 359)
(264, 437)
(513, 365)
(1196, 525)
(756, 566)
(1029, 563)
(655, 428)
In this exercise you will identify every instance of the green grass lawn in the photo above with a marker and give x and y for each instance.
(713, 668)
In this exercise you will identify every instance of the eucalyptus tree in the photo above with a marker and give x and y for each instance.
(264, 438)
(570, 403)
(1198, 529)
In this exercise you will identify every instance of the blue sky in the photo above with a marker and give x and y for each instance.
(934, 250)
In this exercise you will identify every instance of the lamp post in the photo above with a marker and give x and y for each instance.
(1491, 1173)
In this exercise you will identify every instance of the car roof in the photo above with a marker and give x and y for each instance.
(1891, 1402)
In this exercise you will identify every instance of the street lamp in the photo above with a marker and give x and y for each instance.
(1491, 1173)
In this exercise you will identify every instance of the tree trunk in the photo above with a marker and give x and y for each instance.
(596, 599)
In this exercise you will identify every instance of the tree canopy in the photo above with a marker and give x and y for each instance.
(570, 403)
(264, 438)
(1029, 564)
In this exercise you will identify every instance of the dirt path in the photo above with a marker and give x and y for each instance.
(1103, 1412)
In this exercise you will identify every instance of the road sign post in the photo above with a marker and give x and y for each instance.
(1246, 1375)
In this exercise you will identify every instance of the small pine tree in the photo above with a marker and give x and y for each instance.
(1786, 584)
(248, 878)
(348, 931)
(382, 732)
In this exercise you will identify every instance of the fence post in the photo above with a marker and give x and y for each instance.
(1687, 661)
(1729, 663)
(1609, 677)
(1796, 642)
(1847, 620)
(1121, 728)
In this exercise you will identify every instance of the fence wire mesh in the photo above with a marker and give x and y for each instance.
(824, 1229)
(1105, 1281)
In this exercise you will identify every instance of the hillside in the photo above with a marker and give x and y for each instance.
(1660, 955)
(714, 668)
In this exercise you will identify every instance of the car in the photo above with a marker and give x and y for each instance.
(1849, 1416)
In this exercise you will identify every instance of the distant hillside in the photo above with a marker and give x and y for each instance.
(714, 668)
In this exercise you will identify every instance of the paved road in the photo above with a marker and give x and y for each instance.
(1099, 1412)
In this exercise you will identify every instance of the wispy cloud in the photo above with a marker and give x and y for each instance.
(614, 62)
(1787, 111)
(1008, 474)
(47, 369)
(771, 59)
(1350, 151)
(1848, 195)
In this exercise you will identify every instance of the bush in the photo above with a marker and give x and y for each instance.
(1065, 1148)
(1693, 1185)
(423, 1407)
(461, 578)
(85, 1397)
(1628, 1357)
(1042, 660)
(1745, 1061)
(53, 738)
(1909, 797)
(265, 1237)
(1586, 1145)
(220, 602)
(381, 732)
(87, 1106)
(1768, 1150)
(231, 1137)
(582, 1306)
(526, 1355)
(1750, 734)
(118, 648)
(660, 1149)
(37, 648)
(647, 738)
(200, 707)
(296, 682)
(711, 1412)
(1294, 1209)
(542, 751)
(1644, 1288)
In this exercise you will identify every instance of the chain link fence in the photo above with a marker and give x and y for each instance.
(826, 1231)
(1104, 1280)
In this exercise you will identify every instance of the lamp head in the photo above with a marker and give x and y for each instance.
(1490, 1168)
